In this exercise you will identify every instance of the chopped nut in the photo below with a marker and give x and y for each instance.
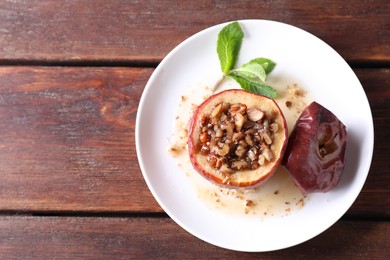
(238, 108)
(240, 151)
(204, 137)
(223, 117)
(216, 111)
(214, 161)
(261, 159)
(255, 114)
(229, 129)
(218, 133)
(236, 138)
(268, 154)
(239, 120)
(224, 150)
(249, 140)
(266, 137)
(243, 143)
(266, 125)
(252, 154)
(205, 149)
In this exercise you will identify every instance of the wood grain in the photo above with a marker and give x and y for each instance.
(67, 141)
(145, 31)
(136, 238)
(70, 183)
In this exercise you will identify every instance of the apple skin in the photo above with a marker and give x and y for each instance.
(242, 179)
(316, 150)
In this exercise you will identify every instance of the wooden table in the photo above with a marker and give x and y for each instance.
(71, 77)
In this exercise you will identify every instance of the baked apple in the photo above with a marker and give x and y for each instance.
(237, 138)
(316, 150)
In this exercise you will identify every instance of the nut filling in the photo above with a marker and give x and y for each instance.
(237, 138)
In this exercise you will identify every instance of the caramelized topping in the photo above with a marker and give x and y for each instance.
(236, 138)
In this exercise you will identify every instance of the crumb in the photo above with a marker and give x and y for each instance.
(276, 192)
(248, 205)
(183, 98)
(175, 150)
(295, 90)
(288, 104)
(287, 203)
(288, 210)
(300, 203)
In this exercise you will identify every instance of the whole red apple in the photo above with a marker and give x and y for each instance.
(237, 138)
(316, 150)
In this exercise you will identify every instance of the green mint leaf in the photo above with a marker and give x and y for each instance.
(244, 84)
(228, 45)
(255, 87)
(253, 71)
(267, 64)
(248, 76)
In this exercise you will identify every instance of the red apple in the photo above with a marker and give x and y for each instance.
(316, 150)
(237, 138)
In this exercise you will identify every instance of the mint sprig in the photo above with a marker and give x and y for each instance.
(252, 75)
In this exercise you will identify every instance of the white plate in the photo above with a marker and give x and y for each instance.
(301, 57)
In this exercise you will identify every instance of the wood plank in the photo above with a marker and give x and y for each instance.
(123, 31)
(136, 238)
(67, 141)
(375, 83)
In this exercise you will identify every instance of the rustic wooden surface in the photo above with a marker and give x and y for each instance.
(145, 31)
(136, 238)
(71, 76)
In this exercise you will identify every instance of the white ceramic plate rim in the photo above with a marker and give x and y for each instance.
(275, 233)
